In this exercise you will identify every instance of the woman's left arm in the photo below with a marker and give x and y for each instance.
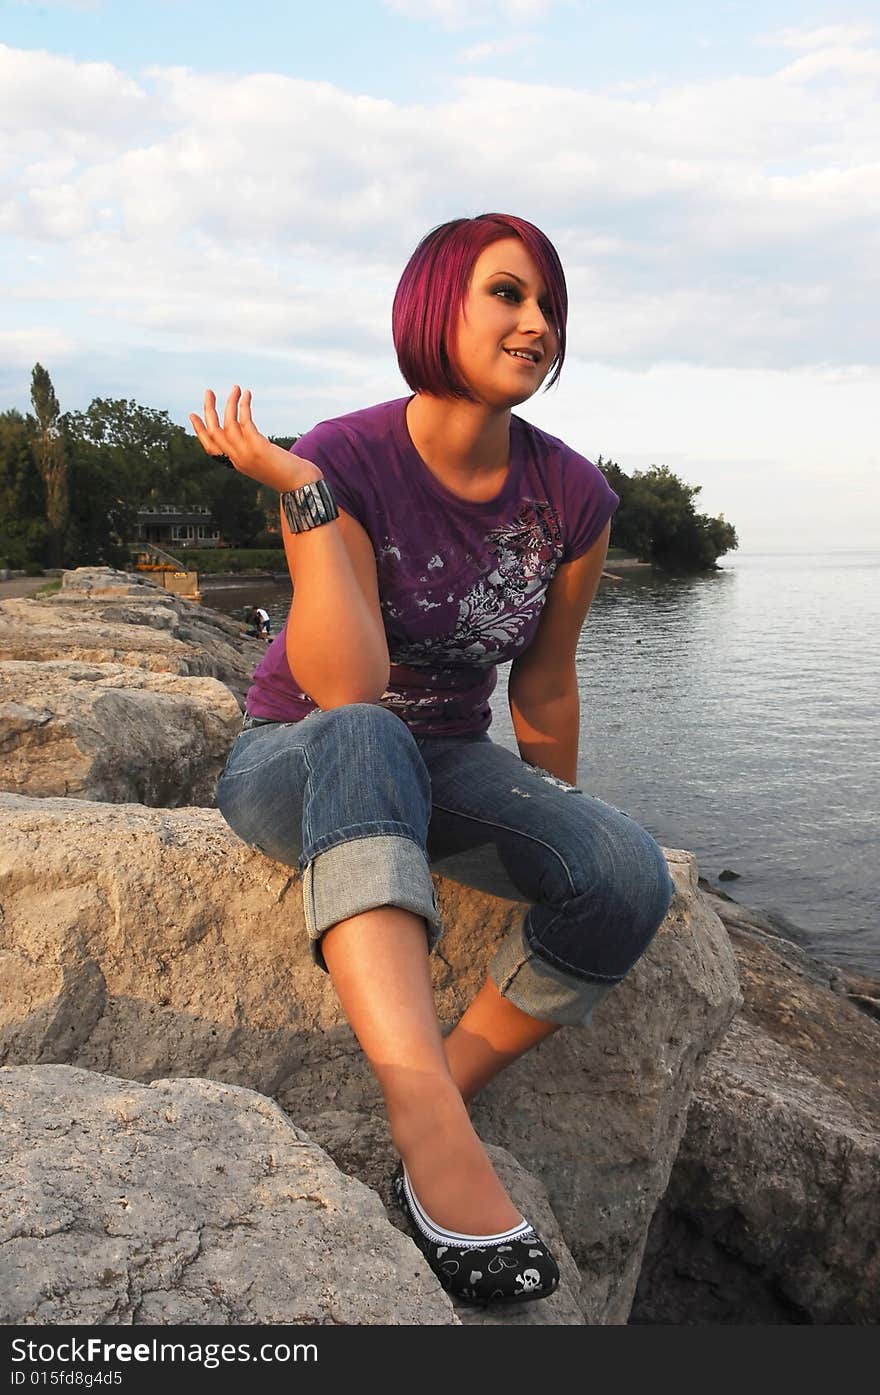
(542, 691)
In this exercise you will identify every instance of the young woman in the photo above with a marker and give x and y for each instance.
(431, 538)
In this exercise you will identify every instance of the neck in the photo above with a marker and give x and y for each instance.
(467, 441)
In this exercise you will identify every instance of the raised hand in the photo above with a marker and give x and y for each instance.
(251, 453)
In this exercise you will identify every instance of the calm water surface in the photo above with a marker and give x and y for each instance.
(736, 715)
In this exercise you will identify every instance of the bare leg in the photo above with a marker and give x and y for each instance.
(488, 1036)
(378, 962)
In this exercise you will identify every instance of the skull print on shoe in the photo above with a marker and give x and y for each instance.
(513, 1267)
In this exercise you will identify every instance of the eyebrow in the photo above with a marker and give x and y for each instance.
(513, 276)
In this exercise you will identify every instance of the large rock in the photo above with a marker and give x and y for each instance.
(112, 732)
(598, 1115)
(128, 621)
(187, 1201)
(772, 1214)
(80, 583)
(147, 943)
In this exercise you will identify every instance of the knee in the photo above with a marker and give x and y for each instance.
(645, 883)
(364, 747)
(628, 885)
(362, 720)
(365, 735)
(620, 893)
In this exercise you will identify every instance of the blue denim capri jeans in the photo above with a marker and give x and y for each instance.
(365, 811)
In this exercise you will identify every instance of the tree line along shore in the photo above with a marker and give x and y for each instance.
(72, 483)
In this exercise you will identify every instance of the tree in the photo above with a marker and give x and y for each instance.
(23, 524)
(136, 443)
(51, 460)
(657, 519)
(232, 499)
(102, 516)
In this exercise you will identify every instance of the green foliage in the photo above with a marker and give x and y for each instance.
(48, 446)
(657, 520)
(211, 561)
(233, 503)
(22, 495)
(44, 401)
(135, 443)
(102, 517)
(149, 459)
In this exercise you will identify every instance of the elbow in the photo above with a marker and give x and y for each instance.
(344, 681)
(537, 690)
(346, 698)
(367, 688)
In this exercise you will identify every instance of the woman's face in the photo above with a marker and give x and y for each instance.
(506, 308)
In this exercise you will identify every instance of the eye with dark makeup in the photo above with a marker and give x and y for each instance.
(505, 287)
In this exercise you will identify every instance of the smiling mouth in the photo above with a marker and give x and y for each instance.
(522, 357)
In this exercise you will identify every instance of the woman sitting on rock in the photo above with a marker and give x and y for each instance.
(431, 538)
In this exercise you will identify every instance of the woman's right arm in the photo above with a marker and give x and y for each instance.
(336, 645)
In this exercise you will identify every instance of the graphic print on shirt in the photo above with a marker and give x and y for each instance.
(499, 611)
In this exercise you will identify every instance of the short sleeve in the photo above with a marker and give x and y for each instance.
(589, 503)
(329, 447)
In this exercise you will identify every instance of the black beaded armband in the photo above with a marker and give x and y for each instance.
(309, 506)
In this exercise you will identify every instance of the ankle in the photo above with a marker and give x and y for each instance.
(438, 1111)
(452, 1176)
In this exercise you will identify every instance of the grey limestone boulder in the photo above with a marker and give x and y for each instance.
(145, 943)
(187, 1201)
(127, 621)
(772, 1214)
(113, 732)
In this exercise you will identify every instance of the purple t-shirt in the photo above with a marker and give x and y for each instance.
(461, 584)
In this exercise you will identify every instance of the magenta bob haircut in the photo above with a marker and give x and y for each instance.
(433, 288)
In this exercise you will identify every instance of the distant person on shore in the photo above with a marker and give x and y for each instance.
(432, 538)
(257, 623)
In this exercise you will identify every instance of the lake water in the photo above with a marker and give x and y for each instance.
(736, 715)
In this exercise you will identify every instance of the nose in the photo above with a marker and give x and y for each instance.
(534, 321)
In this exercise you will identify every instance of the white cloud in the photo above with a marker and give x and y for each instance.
(53, 107)
(22, 348)
(478, 53)
(82, 6)
(827, 36)
(846, 62)
(469, 14)
(728, 221)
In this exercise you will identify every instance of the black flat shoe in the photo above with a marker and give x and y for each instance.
(515, 1267)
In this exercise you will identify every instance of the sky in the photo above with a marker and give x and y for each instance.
(202, 194)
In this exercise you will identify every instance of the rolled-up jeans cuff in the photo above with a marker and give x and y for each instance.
(361, 874)
(539, 988)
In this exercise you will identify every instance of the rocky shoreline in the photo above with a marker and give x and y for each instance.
(193, 1134)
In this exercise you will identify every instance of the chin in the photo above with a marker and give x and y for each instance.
(504, 401)
(515, 400)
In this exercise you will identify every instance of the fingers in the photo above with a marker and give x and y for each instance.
(230, 416)
(208, 432)
(201, 431)
(217, 439)
(211, 418)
